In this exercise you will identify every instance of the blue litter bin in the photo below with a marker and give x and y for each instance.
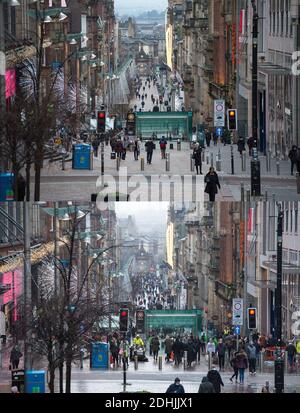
(6, 187)
(99, 356)
(82, 157)
(35, 382)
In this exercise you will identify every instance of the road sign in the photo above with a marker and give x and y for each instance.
(237, 330)
(237, 311)
(219, 113)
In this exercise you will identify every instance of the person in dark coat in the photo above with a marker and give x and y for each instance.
(207, 137)
(95, 144)
(250, 144)
(15, 356)
(191, 353)
(149, 149)
(212, 184)
(197, 156)
(215, 378)
(176, 387)
(241, 145)
(221, 350)
(242, 364)
(178, 349)
(233, 363)
(293, 158)
(155, 345)
(206, 386)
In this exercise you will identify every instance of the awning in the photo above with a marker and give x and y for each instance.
(272, 69)
(286, 268)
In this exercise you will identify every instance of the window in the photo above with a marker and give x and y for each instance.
(291, 223)
(296, 220)
(287, 17)
(287, 220)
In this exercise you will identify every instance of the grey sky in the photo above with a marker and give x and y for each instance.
(133, 7)
(145, 213)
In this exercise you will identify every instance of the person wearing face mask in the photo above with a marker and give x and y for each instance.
(176, 387)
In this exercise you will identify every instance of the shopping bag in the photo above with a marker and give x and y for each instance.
(113, 155)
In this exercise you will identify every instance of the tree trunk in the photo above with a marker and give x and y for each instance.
(37, 180)
(51, 379)
(68, 374)
(28, 167)
(61, 377)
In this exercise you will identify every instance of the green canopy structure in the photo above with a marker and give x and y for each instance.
(165, 123)
(174, 319)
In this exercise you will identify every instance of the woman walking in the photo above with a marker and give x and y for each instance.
(212, 184)
(242, 364)
(197, 156)
(136, 150)
(233, 363)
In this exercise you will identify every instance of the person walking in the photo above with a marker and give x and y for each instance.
(215, 378)
(291, 354)
(207, 137)
(293, 158)
(15, 356)
(206, 386)
(197, 156)
(95, 144)
(210, 348)
(149, 149)
(163, 147)
(212, 184)
(178, 350)
(250, 144)
(241, 145)
(242, 364)
(176, 387)
(221, 349)
(168, 348)
(252, 355)
(155, 346)
(233, 363)
(136, 149)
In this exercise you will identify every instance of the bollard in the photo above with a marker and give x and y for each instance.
(278, 166)
(298, 182)
(185, 360)
(203, 156)
(242, 192)
(211, 159)
(192, 163)
(243, 159)
(159, 362)
(286, 364)
(178, 145)
(136, 362)
(102, 158)
(248, 196)
(167, 162)
(232, 161)
(207, 159)
(266, 196)
(63, 162)
(118, 163)
(218, 162)
(142, 163)
(209, 361)
(268, 161)
(261, 361)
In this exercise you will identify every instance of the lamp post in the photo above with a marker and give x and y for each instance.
(255, 163)
(279, 362)
(27, 291)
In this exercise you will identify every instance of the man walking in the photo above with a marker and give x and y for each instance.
(149, 149)
(252, 353)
